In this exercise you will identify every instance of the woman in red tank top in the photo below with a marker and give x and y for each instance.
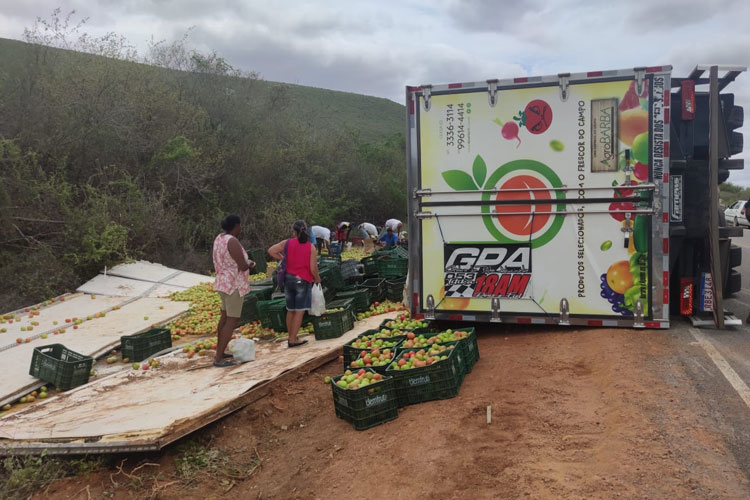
(301, 272)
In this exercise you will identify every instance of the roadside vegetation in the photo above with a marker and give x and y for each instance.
(107, 155)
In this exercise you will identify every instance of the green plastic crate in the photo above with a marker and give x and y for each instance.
(61, 367)
(394, 289)
(258, 255)
(263, 292)
(249, 309)
(380, 368)
(392, 267)
(335, 324)
(376, 287)
(142, 345)
(440, 380)
(277, 315)
(351, 353)
(360, 298)
(328, 259)
(418, 330)
(371, 267)
(264, 310)
(367, 406)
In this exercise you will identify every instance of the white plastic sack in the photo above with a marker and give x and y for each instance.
(243, 349)
(318, 300)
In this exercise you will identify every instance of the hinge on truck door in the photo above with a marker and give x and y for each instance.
(430, 305)
(564, 80)
(564, 312)
(495, 318)
(492, 92)
(638, 314)
(426, 93)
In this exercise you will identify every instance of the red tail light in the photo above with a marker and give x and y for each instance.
(686, 296)
(688, 99)
(742, 211)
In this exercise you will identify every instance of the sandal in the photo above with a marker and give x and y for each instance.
(227, 355)
(223, 364)
(296, 344)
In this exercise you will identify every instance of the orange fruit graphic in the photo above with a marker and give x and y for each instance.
(632, 122)
(619, 278)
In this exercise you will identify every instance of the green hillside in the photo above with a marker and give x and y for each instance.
(105, 159)
(372, 118)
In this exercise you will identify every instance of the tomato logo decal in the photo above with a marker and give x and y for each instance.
(528, 182)
(520, 188)
(537, 117)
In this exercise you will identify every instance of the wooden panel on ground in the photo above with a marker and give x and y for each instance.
(134, 411)
(92, 338)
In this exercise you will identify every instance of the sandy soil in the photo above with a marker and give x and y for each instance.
(590, 413)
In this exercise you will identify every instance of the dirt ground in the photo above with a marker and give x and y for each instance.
(591, 413)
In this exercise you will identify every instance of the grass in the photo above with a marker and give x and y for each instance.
(22, 476)
(196, 461)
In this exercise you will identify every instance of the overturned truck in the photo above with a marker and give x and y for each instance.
(573, 199)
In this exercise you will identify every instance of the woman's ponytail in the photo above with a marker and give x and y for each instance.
(300, 227)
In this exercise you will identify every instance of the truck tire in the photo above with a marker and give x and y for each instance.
(734, 283)
(735, 256)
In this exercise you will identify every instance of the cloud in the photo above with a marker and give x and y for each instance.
(377, 48)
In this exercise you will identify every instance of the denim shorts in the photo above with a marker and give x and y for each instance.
(298, 293)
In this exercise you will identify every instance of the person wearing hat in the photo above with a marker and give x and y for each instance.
(342, 233)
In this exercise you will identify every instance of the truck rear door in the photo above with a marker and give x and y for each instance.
(541, 199)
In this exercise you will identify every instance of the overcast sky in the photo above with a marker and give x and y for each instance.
(378, 47)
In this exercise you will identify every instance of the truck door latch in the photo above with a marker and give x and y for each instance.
(430, 312)
(426, 93)
(638, 314)
(640, 76)
(492, 92)
(495, 318)
(564, 81)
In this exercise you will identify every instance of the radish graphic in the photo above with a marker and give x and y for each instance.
(509, 130)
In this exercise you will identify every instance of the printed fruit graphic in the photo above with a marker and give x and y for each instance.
(631, 100)
(632, 123)
(518, 189)
(619, 278)
(641, 171)
(556, 145)
(510, 131)
(640, 148)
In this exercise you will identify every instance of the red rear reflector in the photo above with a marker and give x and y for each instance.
(666, 149)
(665, 245)
(665, 217)
(523, 320)
(411, 107)
(653, 69)
(666, 100)
(686, 296)
(687, 99)
(417, 316)
(454, 86)
(666, 296)
(666, 178)
(594, 73)
(666, 116)
(520, 80)
(652, 324)
(665, 279)
(595, 322)
(455, 317)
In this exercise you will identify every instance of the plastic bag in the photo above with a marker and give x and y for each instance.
(243, 350)
(318, 300)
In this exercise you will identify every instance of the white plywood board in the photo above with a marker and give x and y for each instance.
(91, 338)
(75, 306)
(126, 287)
(189, 279)
(115, 285)
(142, 270)
(182, 392)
